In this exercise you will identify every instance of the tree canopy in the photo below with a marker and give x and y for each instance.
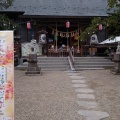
(6, 23)
(111, 23)
(5, 3)
(113, 3)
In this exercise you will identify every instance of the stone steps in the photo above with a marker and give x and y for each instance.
(20, 67)
(61, 63)
(92, 63)
(49, 63)
(84, 63)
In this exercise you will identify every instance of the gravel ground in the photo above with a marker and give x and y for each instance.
(52, 97)
(46, 97)
(107, 91)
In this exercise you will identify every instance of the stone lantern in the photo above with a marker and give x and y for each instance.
(43, 42)
(116, 60)
(32, 61)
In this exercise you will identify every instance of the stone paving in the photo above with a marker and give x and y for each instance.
(93, 115)
(79, 85)
(87, 104)
(85, 90)
(67, 95)
(86, 95)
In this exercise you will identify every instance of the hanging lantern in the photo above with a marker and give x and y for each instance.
(100, 27)
(67, 24)
(28, 25)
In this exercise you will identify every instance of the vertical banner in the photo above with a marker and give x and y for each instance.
(6, 75)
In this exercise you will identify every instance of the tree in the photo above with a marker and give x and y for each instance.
(114, 17)
(111, 23)
(5, 3)
(113, 3)
(5, 22)
(94, 27)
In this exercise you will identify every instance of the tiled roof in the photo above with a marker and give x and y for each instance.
(61, 7)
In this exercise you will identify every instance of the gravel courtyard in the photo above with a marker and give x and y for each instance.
(52, 97)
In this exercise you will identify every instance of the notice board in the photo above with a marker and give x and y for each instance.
(26, 49)
(6, 75)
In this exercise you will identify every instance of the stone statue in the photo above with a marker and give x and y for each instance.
(118, 48)
(33, 45)
(116, 60)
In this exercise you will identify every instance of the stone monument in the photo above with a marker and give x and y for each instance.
(116, 60)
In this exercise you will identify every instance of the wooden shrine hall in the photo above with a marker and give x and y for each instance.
(55, 25)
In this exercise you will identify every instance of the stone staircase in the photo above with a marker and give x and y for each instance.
(49, 63)
(84, 63)
(62, 64)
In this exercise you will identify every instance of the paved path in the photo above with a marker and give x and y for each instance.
(60, 95)
(85, 96)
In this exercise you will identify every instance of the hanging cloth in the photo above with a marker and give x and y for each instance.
(55, 36)
(76, 37)
(52, 32)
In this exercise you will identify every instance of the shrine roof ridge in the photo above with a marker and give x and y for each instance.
(60, 7)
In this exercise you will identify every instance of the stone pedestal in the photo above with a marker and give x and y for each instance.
(116, 60)
(32, 65)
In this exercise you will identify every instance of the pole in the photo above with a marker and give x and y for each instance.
(67, 26)
(78, 50)
(56, 38)
(67, 41)
(28, 27)
(27, 34)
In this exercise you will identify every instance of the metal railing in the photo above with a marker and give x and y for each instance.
(58, 53)
(71, 60)
(61, 53)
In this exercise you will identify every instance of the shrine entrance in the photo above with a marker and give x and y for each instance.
(61, 38)
(57, 35)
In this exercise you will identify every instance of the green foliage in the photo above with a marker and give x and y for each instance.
(93, 27)
(5, 3)
(6, 23)
(112, 22)
(114, 17)
(113, 3)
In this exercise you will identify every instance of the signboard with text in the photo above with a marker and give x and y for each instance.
(6, 75)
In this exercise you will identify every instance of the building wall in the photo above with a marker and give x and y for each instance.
(101, 35)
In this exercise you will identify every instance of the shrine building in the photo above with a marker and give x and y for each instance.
(54, 23)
